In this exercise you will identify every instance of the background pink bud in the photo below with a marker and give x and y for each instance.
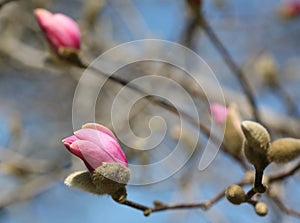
(60, 30)
(95, 144)
(290, 8)
(219, 112)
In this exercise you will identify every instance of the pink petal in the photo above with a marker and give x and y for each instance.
(92, 155)
(104, 142)
(68, 142)
(219, 112)
(100, 128)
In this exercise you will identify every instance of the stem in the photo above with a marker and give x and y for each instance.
(250, 194)
(258, 178)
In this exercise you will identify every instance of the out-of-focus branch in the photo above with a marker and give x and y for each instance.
(231, 64)
(284, 174)
(283, 207)
(4, 2)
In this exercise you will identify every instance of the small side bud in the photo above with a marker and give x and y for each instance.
(235, 194)
(284, 150)
(256, 144)
(111, 178)
(261, 209)
(147, 212)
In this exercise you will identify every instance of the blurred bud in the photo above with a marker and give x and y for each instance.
(235, 194)
(261, 209)
(95, 144)
(233, 135)
(61, 31)
(219, 112)
(284, 150)
(111, 178)
(256, 144)
(267, 67)
(289, 9)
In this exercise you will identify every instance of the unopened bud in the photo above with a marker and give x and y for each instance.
(235, 194)
(256, 144)
(284, 150)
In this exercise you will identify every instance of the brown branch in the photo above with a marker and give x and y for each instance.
(160, 206)
(231, 64)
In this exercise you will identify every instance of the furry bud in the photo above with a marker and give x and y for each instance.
(284, 150)
(256, 144)
(111, 178)
(235, 194)
(82, 180)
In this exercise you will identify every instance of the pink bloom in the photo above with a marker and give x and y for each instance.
(219, 112)
(95, 144)
(60, 30)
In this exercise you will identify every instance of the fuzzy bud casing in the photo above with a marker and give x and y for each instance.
(111, 178)
(284, 150)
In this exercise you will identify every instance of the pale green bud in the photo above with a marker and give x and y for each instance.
(256, 144)
(284, 150)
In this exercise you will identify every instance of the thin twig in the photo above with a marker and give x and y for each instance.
(204, 205)
(284, 174)
(231, 64)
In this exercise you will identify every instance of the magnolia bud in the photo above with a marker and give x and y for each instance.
(284, 150)
(111, 178)
(256, 144)
(235, 194)
(261, 209)
(82, 180)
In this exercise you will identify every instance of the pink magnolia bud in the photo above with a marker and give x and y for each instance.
(95, 144)
(219, 112)
(60, 30)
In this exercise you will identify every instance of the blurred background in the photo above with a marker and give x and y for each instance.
(36, 95)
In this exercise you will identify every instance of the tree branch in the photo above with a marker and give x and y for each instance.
(4, 2)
